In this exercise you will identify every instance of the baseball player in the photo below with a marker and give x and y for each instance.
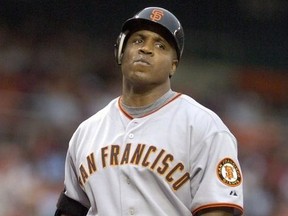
(152, 151)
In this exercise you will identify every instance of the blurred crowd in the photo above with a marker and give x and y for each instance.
(48, 86)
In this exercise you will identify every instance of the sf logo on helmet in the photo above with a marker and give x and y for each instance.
(156, 15)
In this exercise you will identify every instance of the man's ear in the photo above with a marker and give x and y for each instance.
(173, 67)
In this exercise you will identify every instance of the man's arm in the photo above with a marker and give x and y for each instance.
(69, 207)
(216, 212)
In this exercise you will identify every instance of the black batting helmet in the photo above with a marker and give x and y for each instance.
(152, 16)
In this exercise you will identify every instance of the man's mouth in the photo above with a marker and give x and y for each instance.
(142, 61)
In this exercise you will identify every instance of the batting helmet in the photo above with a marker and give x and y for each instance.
(160, 17)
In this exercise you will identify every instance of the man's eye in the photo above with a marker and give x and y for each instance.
(160, 45)
(138, 41)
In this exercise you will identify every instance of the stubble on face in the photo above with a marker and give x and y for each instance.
(150, 67)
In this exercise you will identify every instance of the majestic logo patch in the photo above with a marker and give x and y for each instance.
(229, 173)
(156, 15)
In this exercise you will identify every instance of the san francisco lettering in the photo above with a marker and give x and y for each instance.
(157, 160)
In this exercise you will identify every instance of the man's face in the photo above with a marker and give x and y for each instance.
(148, 59)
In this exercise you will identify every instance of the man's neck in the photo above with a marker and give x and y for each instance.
(144, 110)
(140, 99)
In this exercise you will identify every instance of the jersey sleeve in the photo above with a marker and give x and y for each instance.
(72, 186)
(216, 176)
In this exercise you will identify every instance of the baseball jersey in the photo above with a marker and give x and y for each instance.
(176, 160)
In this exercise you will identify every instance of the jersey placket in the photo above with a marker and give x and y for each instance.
(128, 190)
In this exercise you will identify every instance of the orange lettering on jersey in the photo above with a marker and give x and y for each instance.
(83, 173)
(162, 170)
(115, 149)
(80, 181)
(156, 15)
(126, 154)
(91, 163)
(181, 181)
(145, 161)
(157, 159)
(169, 177)
(138, 154)
(104, 155)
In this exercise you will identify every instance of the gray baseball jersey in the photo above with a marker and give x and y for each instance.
(176, 161)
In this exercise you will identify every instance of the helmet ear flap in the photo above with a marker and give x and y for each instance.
(118, 47)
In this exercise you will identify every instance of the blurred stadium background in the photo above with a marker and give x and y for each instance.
(57, 68)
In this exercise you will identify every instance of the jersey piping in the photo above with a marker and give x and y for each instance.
(216, 205)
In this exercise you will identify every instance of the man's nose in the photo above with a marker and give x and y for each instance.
(146, 49)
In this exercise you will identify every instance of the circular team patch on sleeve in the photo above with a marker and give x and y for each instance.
(229, 173)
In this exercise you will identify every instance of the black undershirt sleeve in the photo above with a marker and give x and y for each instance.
(69, 207)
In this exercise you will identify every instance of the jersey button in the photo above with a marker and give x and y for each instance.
(131, 136)
(131, 211)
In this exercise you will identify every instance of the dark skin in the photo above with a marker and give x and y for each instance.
(148, 61)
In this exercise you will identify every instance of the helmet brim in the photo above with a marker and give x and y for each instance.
(132, 25)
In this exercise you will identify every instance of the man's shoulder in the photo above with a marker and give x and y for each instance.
(199, 113)
(193, 105)
(108, 110)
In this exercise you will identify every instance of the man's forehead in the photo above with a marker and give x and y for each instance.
(148, 33)
(155, 29)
